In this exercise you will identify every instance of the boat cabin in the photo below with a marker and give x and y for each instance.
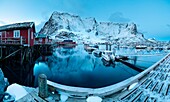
(108, 55)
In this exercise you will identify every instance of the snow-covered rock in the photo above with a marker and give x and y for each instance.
(152, 40)
(3, 83)
(63, 96)
(17, 91)
(94, 99)
(89, 30)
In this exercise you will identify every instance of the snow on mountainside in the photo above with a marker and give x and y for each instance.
(69, 26)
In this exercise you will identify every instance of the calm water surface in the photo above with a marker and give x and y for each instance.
(76, 67)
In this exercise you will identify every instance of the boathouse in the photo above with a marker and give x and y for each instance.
(42, 38)
(18, 34)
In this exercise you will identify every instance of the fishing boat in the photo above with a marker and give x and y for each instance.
(66, 42)
(89, 48)
(108, 55)
(97, 53)
(141, 47)
(122, 57)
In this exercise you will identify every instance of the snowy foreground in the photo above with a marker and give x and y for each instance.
(17, 92)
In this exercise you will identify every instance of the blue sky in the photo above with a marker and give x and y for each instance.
(151, 16)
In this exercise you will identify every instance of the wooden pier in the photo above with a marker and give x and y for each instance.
(151, 85)
(25, 52)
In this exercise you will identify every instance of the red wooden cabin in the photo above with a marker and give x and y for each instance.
(42, 39)
(18, 33)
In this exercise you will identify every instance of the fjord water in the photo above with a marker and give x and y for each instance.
(76, 67)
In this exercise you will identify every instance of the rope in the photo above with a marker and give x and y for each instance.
(143, 61)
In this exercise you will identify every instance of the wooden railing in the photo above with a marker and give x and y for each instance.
(39, 43)
(11, 40)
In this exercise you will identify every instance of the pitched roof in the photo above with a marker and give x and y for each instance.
(17, 26)
(38, 35)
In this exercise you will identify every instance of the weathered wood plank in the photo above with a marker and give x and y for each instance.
(34, 94)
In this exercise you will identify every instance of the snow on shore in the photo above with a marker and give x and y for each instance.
(17, 91)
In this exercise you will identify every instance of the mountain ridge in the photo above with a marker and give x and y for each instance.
(70, 26)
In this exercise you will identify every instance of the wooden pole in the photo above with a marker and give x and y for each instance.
(21, 56)
(110, 47)
(106, 46)
(42, 84)
(21, 40)
(0, 52)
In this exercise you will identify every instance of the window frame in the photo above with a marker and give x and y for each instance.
(16, 33)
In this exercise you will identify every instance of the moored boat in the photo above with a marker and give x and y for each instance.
(88, 48)
(141, 47)
(66, 42)
(108, 55)
(97, 53)
(122, 57)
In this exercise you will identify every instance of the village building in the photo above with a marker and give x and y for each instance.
(42, 38)
(18, 33)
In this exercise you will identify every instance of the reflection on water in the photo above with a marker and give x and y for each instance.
(76, 67)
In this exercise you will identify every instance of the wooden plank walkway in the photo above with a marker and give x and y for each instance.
(154, 87)
(147, 55)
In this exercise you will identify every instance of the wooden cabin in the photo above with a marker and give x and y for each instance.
(42, 39)
(18, 34)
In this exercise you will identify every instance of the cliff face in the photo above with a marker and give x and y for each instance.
(65, 25)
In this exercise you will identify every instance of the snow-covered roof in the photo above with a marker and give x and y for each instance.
(38, 35)
(17, 26)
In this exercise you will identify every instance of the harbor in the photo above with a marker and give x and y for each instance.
(47, 64)
(84, 51)
(142, 87)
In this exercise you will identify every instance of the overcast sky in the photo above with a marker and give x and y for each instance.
(151, 16)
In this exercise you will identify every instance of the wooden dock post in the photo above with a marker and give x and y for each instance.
(21, 42)
(106, 46)
(42, 84)
(0, 52)
(110, 47)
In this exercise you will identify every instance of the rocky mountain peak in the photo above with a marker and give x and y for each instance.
(88, 28)
(132, 27)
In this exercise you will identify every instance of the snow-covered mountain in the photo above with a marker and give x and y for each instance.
(69, 26)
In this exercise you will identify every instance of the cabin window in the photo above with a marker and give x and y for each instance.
(16, 33)
(0, 33)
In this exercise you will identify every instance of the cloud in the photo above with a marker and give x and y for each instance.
(118, 17)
